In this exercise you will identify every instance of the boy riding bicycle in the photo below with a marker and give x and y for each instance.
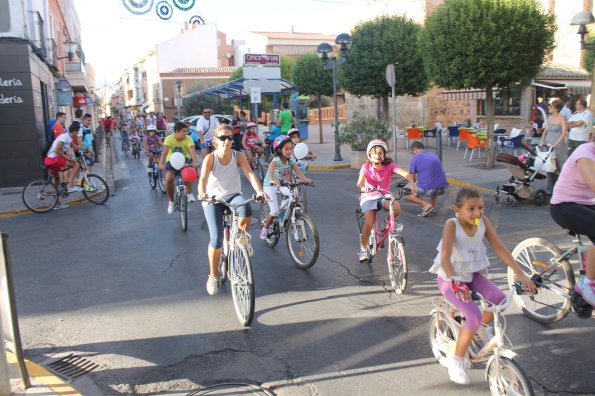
(152, 145)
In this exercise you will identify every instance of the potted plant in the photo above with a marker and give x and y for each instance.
(358, 132)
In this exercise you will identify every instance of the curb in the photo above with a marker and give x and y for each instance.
(18, 212)
(461, 183)
(42, 376)
(328, 167)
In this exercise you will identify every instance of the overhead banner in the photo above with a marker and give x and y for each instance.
(179, 11)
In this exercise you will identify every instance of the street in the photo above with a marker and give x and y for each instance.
(122, 285)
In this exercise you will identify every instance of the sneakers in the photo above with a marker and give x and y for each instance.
(586, 288)
(363, 256)
(74, 189)
(212, 285)
(457, 370)
(191, 198)
(150, 170)
(170, 208)
(484, 334)
(61, 206)
(89, 188)
(264, 233)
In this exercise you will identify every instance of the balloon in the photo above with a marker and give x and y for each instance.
(189, 174)
(177, 160)
(300, 151)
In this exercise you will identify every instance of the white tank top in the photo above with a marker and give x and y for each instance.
(224, 181)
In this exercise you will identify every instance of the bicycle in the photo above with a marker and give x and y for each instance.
(135, 149)
(42, 195)
(156, 176)
(549, 268)
(393, 231)
(303, 200)
(125, 147)
(235, 261)
(108, 138)
(504, 375)
(181, 199)
(257, 165)
(303, 241)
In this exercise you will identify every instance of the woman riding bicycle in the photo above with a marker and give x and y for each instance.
(375, 175)
(573, 207)
(220, 177)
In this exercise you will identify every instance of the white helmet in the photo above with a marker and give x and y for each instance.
(151, 127)
(376, 142)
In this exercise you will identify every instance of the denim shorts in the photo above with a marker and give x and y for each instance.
(372, 204)
(432, 192)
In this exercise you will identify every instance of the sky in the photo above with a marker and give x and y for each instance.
(114, 38)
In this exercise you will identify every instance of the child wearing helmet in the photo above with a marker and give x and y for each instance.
(296, 138)
(251, 142)
(376, 173)
(152, 145)
(279, 169)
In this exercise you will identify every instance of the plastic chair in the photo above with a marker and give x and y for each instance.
(453, 132)
(464, 134)
(512, 143)
(499, 132)
(430, 134)
(475, 143)
(413, 134)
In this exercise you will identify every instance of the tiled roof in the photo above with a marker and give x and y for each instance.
(297, 36)
(206, 70)
(559, 70)
(292, 49)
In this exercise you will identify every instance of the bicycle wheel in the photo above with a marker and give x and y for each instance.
(443, 337)
(505, 377)
(303, 241)
(125, 151)
(161, 180)
(153, 179)
(98, 191)
(397, 264)
(550, 304)
(40, 196)
(242, 286)
(183, 207)
(302, 199)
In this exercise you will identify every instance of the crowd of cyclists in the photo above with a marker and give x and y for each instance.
(461, 261)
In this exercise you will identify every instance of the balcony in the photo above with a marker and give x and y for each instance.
(76, 75)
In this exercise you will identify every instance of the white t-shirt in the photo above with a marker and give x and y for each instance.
(151, 120)
(207, 127)
(566, 112)
(66, 139)
(581, 133)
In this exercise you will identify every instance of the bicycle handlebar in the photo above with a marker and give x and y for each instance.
(489, 306)
(296, 184)
(215, 200)
(402, 191)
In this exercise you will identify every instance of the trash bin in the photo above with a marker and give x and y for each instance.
(303, 128)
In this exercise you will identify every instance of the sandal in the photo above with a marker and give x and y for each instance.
(424, 213)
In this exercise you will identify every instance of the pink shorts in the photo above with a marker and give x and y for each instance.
(56, 163)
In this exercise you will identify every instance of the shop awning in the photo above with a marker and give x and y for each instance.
(235, 89)
(577, 87)
(464, 94)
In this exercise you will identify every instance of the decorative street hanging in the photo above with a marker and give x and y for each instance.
(164, 10)
(138, 7)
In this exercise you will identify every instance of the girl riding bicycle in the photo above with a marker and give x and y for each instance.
(279, 169)
(252, 142)
(152, 145)
(373, 182)
(461, 265)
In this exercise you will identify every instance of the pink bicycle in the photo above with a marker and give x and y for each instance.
(393, 231)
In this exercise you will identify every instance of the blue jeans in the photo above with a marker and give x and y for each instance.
(214, 216)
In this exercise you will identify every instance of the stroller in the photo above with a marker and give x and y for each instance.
(524, 169)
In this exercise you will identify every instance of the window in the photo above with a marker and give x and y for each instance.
(507, 102)
(52, 33)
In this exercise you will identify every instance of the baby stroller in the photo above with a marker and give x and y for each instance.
(524, 169)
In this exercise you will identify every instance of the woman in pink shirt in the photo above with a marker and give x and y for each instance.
(376, 173)
(573, 207)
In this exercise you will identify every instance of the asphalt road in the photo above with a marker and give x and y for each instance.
(122, 285)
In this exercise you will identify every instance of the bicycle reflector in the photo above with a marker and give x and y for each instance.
(189, 174)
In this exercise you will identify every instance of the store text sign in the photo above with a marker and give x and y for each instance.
(10, 83)
(262, 60)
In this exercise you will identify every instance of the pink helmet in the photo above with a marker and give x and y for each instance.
(278, 142)
(292, 131)
(376, 142)
(250, 125)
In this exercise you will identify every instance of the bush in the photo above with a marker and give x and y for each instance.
(361, 129)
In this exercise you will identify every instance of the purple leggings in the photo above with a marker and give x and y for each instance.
(470, 310)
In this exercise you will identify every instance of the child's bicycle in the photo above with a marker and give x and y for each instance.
(303, 166)
(549, 268)
(393, 230)
(125, 147)
(303, 241)
(135, 149)
(503, 373)
(156, 176)
(257, 165)
(181, 198)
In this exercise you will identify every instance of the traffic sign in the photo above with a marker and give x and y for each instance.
(262, 60)
(255, 95)
(390, 75)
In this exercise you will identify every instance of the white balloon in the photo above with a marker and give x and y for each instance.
(300, 151)
(177, 160)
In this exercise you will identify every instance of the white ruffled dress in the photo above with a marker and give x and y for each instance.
(469, 254)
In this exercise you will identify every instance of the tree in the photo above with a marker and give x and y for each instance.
(311, 78)
(377, 43)
(486, 44)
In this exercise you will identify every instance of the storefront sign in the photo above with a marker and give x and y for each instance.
(10, 83)
(262, 60)
(79, 100)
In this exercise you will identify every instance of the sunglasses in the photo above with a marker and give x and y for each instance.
(225, 137)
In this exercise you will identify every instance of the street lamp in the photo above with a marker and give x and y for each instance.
(179, 97)
(71, 47)
(582, 19)
(325, 51)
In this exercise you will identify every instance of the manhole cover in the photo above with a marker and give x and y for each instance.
(72, 367)
(232, 389)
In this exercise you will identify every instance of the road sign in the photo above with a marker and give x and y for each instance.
(390, 75)
(258, 73)
(255, 95)
(262, 60)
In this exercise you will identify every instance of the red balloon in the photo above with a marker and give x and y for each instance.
(189, 174)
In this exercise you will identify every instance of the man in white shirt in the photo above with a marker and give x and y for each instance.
(579, 123)
(566, 112)
(151, 119)
(205, 129)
